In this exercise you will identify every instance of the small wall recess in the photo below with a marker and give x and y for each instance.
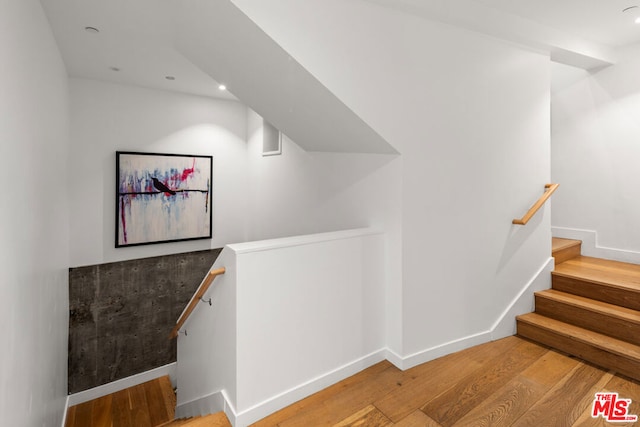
(271, 139)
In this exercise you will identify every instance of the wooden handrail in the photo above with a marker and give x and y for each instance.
(202, 289)
(550, 188)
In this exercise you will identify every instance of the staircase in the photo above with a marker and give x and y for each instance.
(151, 404)
(591, 312)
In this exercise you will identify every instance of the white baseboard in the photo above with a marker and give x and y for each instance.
(286, 398)
(210, 404)
(432, 353)
(591, 247)
(523, 302)
(229, 410)
(215, 402)
(503, 326)
(219, 401)
(394, 358)
(64, 415)
(105, 389)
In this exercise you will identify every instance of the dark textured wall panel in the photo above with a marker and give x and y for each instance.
(121, 314)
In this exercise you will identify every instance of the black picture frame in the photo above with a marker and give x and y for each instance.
(162, 198)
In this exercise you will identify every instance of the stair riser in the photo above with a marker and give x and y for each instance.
(585, 351)
(588, 319)
(601, 292)
(565, 254)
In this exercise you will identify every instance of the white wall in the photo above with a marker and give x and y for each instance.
(300, 192)
(595, 151)
(34, 223)
(255, 197)
(470, 115)
(477, 159)
(108, 117)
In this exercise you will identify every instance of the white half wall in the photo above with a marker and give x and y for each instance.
(34, 221)
(290, 317)
(306, 308)
(106, 117)
(595, 151)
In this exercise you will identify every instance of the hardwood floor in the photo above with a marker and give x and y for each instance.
(146, 405)
(151, 404)
(509, 382)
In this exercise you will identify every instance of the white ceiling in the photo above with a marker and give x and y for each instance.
(136, 37)
(601, 21)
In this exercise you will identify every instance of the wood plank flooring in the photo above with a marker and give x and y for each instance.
(509, 382)
(145, 405)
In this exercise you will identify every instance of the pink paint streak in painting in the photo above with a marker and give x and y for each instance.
(179, 178)
(188, 172)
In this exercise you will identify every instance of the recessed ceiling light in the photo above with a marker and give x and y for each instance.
(633, 8)
(92, 30)
(170, 78)
(114, 69)
(222, 87)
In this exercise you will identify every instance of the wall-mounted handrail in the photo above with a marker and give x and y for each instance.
(195, 299)
(549, 189)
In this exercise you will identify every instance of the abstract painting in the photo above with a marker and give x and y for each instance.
(162, 198)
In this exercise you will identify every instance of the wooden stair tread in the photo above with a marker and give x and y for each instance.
(565, 249)
(149, 404)
(605, 272)
(595, 339)
(558, 243)
(613, 310)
